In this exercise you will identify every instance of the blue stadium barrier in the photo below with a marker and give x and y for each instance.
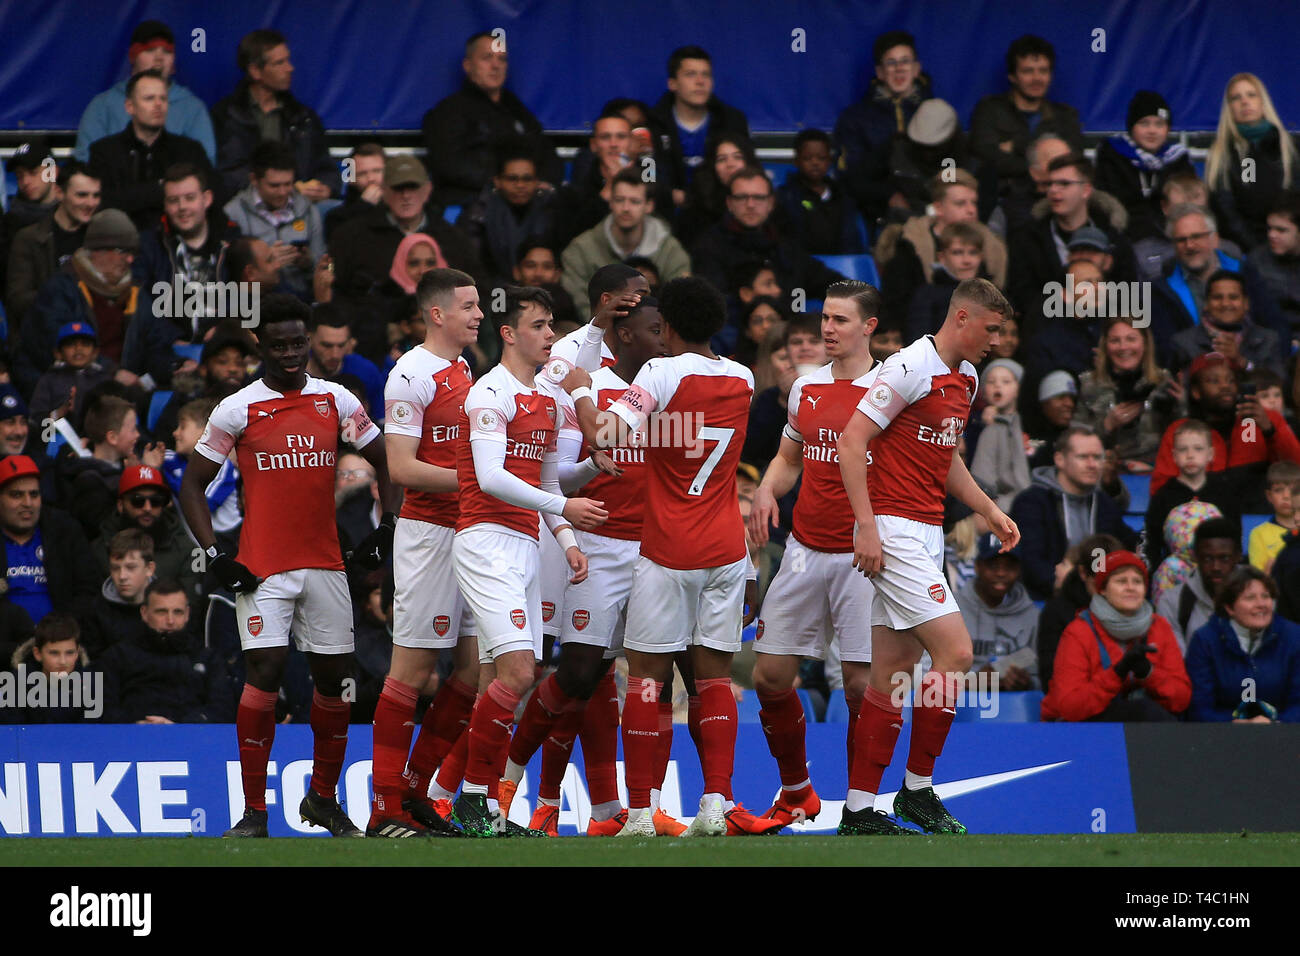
(860, 227)
(157, 402)
(862, 268)
(747, 708)
(1013, 707)
(837, 709)
(1139, 491)
(451, 213)
(777, 172)
(188, 350)
(805, 698)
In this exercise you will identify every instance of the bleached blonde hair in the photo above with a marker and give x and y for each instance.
(1228, 140)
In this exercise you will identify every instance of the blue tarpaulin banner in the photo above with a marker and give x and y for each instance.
(181, 780)
(380, 64)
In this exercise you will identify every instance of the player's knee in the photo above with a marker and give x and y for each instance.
(769, 679)
(856, 684)
(955, 662)
(516, 675)
(264, 668)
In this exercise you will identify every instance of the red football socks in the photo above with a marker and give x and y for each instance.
(717, 734)
(665, 750)
(873, 745)
(855, 708)
(540, 714)
(255, 727)
(557, 748)
(599, 734)
(444, 722)
(329, 728)
(640, 738)
(930, 725)
(782, 719)
(393, 728)
(452, 769)
(489, 733)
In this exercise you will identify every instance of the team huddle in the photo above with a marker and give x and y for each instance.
(549, 499)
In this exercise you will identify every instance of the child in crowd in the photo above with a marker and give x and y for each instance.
(1000, 463)
(1193, 454)
(1282, 489)
(223, 499)
(54, 650)
(115, 614)
(959, 249)
(818, 213)
(77, 364)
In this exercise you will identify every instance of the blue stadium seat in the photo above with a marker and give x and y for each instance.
(862, 268)
(1136, 522)
(157, 402)
(1248, 524)
(777, 172)
(56, 444)
(325, 206)
(747, 707)
(837, 710)
(1014, 707)
(809, 712)
(189, 350)
(1139, 491)
(451, 213)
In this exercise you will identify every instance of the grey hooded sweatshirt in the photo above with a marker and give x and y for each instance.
(1007, 632)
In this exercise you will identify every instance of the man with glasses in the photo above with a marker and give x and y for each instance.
(508, 211)
(747, 232)
(1004, 123)
(144, 502)
(1040, 250)
(865, 131)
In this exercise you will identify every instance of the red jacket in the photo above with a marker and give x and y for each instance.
(1280, 446)
(1081, 687)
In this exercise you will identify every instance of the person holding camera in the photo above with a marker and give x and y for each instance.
(1118, 660)
(1244, 663)
(1126, 397)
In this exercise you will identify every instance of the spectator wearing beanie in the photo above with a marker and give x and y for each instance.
(1118, 660)
(77, 364)
(96, 287)
(1135, 165)
(999, 462)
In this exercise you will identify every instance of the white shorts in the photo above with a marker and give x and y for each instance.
(669, 610)
(497, 574)
(312, 602)
(555, 574)
(816, 594)
(595, 609)
(428, 610)
(911, 589)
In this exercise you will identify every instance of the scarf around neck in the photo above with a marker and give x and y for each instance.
(95, 280)
(1169, 153)
(1254, 132)
(1122, 627)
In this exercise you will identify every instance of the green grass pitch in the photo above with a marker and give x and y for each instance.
(1172, 849)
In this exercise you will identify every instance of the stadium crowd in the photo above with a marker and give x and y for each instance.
(1157, 313)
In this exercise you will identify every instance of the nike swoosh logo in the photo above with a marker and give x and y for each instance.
(829, 818)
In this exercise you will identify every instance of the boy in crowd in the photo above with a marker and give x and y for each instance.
(1193, 455)
(1282, 489)
(960, 250)
(1001, 618)
(77, 364)
(54, 650)
(818, 212)
(223, 492)
(116, 611)
(89, 484)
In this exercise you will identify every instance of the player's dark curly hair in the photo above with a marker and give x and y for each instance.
(516, 297)
(281, 307)
(693, 308)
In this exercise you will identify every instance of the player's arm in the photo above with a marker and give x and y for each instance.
(964, 488)
(779, 478)
(406, 469)
(201, 469)
(559, 525)
(852, 449)
(362, 434)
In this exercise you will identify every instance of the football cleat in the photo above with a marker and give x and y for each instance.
(611, 827)
(251, 824)
(869, 822)
(795, 806)
(642, 826)
(924, 808)
(471, 813)
(546, 819)
(668, 826)
(506, 795)
(740, 822)
(394, 826)
(433, 815)
(324, 812)
(711, 821)
(507, 828)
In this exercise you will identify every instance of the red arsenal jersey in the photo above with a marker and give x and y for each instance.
(693, 413)
(922, 405)
(423, 399)
(286, 448)
(819, 408)
(624, 496)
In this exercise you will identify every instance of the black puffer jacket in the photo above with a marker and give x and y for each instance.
(168, 675)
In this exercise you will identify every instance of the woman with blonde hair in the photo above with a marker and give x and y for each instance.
(1249, 128)
(1126, 396)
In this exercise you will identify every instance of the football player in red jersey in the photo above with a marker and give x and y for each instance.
(689, 588)
(817, 590)
(508, 472)
(422, 407)
(912, 417)
(283, 430)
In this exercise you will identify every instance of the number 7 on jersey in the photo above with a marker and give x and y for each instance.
(723, 438)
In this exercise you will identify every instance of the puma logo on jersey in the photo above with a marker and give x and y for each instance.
(265, 414)
(405, 378)
(813, 400)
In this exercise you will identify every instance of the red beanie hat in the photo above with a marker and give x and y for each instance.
(1116, 560)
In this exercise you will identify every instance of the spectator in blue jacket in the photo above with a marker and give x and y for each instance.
(1063, 506)
(153, 47)
(1245, 663)
(332, 355)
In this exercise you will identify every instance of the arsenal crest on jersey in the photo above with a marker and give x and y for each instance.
(548, 610)
(937, 593)
(758, 631)
(550, 411)
(517, 618)
(581, 618)
(441, 625)
(323, 407)
(255, 625)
